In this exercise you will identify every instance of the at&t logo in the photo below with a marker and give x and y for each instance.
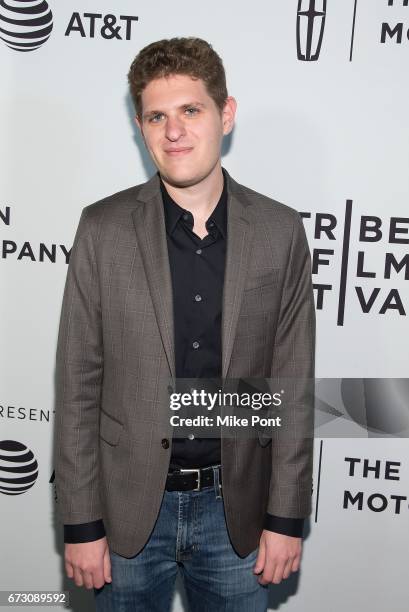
(25, 25)
(18, 468)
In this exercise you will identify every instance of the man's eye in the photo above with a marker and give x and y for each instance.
(155, 118)
(191, 110)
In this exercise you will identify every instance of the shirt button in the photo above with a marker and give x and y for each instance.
(191, 436)
(165, 443)
(199, 251)
(185, 216)
(210, 224)
(195, 344)
(198, 298)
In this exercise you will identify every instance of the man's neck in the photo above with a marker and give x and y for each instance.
(200, 199)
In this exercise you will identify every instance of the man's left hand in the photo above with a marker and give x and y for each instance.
(278, 556)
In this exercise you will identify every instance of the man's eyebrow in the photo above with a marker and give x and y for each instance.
(194, 103)
(152, 113)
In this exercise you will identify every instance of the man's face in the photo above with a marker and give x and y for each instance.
(183, 128)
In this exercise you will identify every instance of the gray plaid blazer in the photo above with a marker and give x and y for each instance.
(115, 353)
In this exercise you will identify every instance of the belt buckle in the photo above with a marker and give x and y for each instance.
(190, 471)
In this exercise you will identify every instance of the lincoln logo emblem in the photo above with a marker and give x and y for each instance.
(310, 28)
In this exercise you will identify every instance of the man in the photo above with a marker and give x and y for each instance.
(189, 275)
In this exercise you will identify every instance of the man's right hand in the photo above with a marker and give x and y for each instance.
(89, 563)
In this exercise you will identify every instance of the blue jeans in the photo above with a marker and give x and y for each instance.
(190, 535)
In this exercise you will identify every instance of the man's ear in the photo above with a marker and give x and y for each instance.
(228, 114)
(139, 125)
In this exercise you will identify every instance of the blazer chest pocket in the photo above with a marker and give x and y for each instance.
(109, 429)
(261, 278)
(261, 292)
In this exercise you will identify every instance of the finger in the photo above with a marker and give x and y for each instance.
(278, 573)
(88, 580)
(268, 573)
(98, 575)
(261, 558)
(69, 569)
(296, 564)
(287, 568)
(78, 579)
(107, 566)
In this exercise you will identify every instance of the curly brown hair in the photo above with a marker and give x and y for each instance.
(189, 56)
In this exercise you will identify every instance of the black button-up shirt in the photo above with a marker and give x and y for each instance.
(197, 270)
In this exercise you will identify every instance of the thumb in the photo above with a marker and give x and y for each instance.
(107, 566)
(261, 558)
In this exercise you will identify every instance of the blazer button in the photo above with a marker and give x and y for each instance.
(165, 443)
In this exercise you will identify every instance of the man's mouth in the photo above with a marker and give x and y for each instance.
(178, 151)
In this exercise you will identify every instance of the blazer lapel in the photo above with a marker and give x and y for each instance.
(149, 222)
(240, 233)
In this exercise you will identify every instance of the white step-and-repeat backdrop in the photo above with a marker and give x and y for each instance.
(322, 126)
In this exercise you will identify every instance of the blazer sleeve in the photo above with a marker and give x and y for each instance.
(293, 367)
(79, 374)
(84, 532)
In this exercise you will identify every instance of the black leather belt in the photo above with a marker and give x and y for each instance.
(193, 479)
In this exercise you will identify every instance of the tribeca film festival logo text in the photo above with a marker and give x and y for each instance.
(379, 270)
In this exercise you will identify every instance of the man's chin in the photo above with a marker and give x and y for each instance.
(180, 179)
(184, 177)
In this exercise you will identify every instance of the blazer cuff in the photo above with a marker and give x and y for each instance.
(84, 532)
(286, 526)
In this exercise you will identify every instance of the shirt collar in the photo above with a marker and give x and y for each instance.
(173, 212)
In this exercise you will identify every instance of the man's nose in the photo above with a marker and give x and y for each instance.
(174, 128)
